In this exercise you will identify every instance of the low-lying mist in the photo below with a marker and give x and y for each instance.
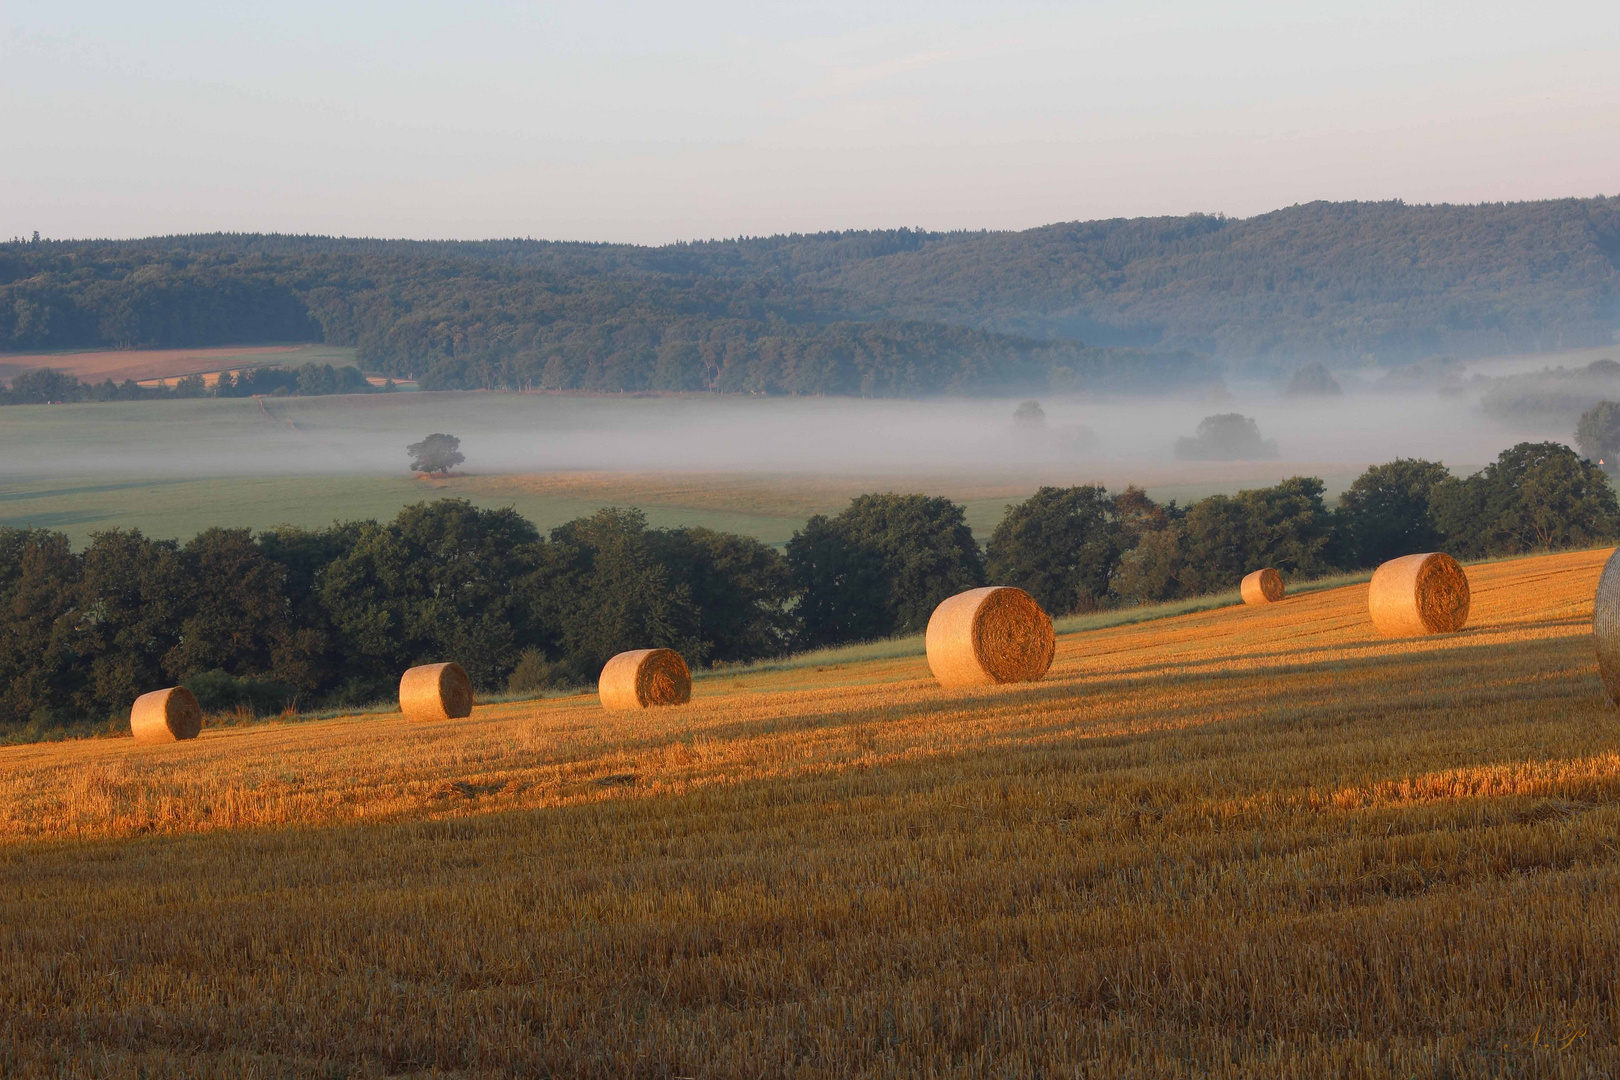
(505, 433)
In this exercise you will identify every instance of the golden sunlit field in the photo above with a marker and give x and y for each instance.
(1242, 842)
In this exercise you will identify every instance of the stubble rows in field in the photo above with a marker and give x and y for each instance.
(1240, 842)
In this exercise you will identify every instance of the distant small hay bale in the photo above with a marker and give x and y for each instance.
(165, 716)
(435, 692)
(1262, 587)
(996, 634)
(1418, 594)
(643, 678)
(1606, 626)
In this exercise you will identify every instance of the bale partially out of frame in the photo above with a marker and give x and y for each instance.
(1606, 626)
(642, 678)
(1262, 587)
(1418, 594)
(435, 692)
(165, 716)
(997, 634)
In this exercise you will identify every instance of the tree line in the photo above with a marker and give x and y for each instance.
(1138, 304)
(47, 386)
(333, 616)
(454, 318)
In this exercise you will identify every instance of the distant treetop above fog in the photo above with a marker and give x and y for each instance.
(1313, 381)
(1227, 437)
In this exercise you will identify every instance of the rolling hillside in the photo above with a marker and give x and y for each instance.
(1245, 841)
(1091, 306)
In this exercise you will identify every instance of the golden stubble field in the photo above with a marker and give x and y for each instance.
(1244, 842)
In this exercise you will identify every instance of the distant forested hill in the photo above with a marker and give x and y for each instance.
(1102, 306)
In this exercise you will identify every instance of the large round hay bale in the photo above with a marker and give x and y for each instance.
(1606, 626)
(642, 678)
(1418, 594)
(1262, 587)
(997, 634)
(165, 716)
(435, 692)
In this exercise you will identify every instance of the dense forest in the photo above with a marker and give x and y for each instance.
(332, 616)
(1159, 303)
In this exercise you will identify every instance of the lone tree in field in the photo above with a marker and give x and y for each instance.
(436, 454)
(1029, 413)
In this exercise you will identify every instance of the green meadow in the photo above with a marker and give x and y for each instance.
(173, 468)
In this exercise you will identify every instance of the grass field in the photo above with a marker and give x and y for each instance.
(1239, 842)
(174, 468)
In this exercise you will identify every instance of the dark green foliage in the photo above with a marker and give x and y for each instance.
(443, 580)
(235, 614)
(1226, 437)
(1154, 569)
(438, 453)
(737, 585)
(1220, 539)
(1598, 435)
(131, 604)
(1386, 512)
(609, 592)
(1061, 545)
(1534, 497)
(219, 691)
(880, 567)
(839, 585)
(39, 591)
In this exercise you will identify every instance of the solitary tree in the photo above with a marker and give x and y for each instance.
(1030, 412)
(436, 454)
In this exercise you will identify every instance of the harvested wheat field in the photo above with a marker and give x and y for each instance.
(1254, 841)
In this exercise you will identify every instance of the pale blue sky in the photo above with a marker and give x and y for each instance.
(653, 122)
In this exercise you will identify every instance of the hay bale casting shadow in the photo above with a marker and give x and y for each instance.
(642, 678)
(165, 716)
(1418, 594)
(1262, 587)
(997, 634)
(435, 692)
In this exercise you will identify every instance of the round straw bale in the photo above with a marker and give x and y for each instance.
(165, 716)
(645, 677)
(997, 634)
(435, 692)
(1606, 626)
(1418, 594)
(1262, 587)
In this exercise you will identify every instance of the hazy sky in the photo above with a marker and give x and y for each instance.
(659, 121)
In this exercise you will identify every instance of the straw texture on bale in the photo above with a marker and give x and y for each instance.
(1262, 587)
(165, 716)
(435, 692)
(1606, 626)
(992, 635)
(1418, 594)
(642, 678)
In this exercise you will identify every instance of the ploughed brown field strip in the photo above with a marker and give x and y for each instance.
(1249, 841)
